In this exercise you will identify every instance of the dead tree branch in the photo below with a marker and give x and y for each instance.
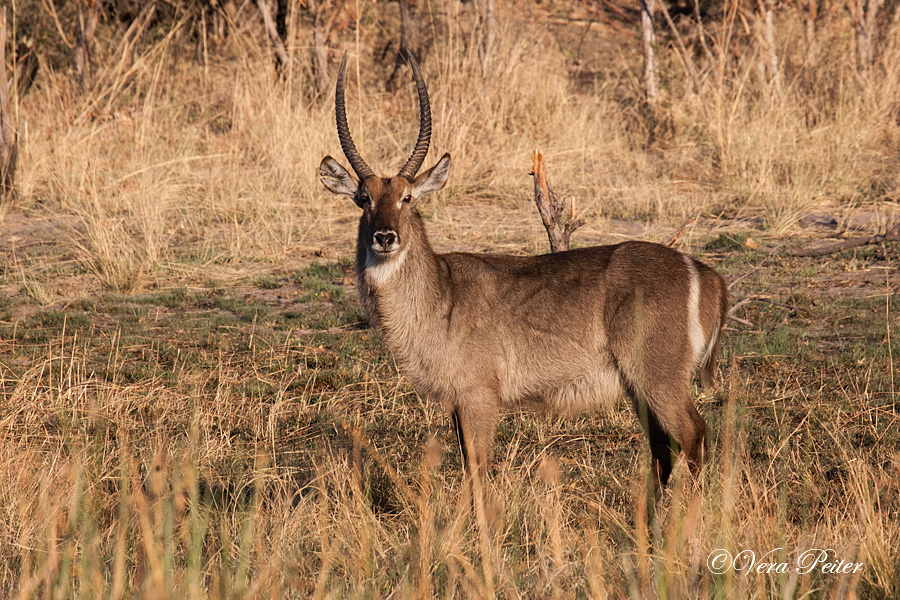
(670, 241)
(756, 268)
(26, 67)
(738, 319)
(50, 7)
(557, 214)
(891, 236)
(790, 307)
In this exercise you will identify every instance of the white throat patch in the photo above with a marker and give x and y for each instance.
(378, 272)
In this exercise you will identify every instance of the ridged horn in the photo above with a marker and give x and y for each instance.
(340, 112)
(415, 161)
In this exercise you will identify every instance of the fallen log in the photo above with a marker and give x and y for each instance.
(891, 236)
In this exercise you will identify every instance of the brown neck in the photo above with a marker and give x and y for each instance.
(405, 294)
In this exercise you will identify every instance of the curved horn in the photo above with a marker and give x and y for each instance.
(340, 112)
(415, 161)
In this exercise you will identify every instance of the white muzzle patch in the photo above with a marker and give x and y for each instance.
(381, 268)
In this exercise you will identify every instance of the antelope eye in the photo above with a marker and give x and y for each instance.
(408, 198)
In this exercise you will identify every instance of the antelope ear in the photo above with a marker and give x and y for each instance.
(433, 179)
(336, 178)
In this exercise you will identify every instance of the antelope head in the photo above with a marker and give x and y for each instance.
(388, 203)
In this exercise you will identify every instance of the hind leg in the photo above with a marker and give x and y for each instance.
(694, 440)
(671, 405)
(654, 348)
(662, 446)
(671, 422)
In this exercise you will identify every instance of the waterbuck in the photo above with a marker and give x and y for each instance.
(567, 332)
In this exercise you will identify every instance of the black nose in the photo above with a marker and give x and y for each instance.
(385, 239)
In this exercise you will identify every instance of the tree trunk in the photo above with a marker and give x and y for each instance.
(88, 16)
(486, 51)
(281, 55)
(864, 14)
(409, 41)
(9, 147)
(648, 40)
(281, 14)
(809, 18)
(768, 34)
(321, 68)
(320, 43)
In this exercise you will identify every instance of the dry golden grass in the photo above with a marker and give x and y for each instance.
(188, 409)
(205, 487)
(167, 159)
